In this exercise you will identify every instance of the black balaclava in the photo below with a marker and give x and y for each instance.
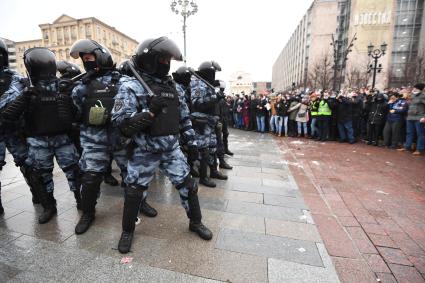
(162, 70)
(89, 65)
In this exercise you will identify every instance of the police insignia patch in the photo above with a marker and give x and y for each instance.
(118, 105)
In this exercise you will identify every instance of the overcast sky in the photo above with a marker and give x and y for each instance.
(240, 35)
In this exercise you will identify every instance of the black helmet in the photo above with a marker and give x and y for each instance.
(40, 63)
(124, 68)
(67, 69)
(151, 50)
(182, 75)
(88, 46)
(4, 54)
(207, 70)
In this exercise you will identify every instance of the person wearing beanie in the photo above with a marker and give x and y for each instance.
(416, 120)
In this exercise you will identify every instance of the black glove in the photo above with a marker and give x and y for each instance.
(136, 124)
(156, 104)
(192, 153)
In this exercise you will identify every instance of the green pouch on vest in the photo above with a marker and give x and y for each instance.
(98, 115)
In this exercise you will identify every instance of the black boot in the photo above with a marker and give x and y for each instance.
(25, 170)
(194, 214)
(226, 147)
(1, 206)
(77, 196)
(133, 197)
(89, 190)
(49, 209)
(224, 164)
(228, 152)
(147, 210)
(203, 171)
(46, 199)
(214, 173)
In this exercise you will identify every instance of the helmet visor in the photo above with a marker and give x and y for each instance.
(83, 46)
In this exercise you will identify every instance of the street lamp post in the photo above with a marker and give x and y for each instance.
(185, 9)
(375, 54)
(340, 58)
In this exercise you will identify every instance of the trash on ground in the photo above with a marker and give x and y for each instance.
(126, 260)
(301, 250)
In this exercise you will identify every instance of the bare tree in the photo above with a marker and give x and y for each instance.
(321, 73)
(357, 76)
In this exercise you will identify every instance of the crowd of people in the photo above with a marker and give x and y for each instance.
(137, 114)
(394, 118)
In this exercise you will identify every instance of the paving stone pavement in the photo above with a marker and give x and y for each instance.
(263, 230)
(368, 204)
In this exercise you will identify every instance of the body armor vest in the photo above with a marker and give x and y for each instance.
(99, 102)
(168, 120)
(43, 117)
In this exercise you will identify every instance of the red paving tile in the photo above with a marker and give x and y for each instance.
(394, 256)
(376, 263)
(419, 263)
(406, 274)
(363, 185)
(333, 235)
(365, 246)
(348, 221)
(386, 277)
(406, 244)
(382, 241)
(374, 229)
(353, 270)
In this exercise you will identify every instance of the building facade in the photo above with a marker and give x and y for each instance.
(64, 31)
(261, 87)
(398, 23)
(241, 82)
(307, 46)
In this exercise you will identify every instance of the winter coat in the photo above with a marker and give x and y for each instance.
(400, 107)
(378, 112)
(417, 107)
(302, 114)
(344, 108)
(293, 110)
(282, 108)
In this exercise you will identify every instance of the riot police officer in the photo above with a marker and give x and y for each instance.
(222, 131)
(11, 131)
(204, 118)
(68, 71)
(182, 78)
(94, 100)
(48, 116)
(149, 109)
